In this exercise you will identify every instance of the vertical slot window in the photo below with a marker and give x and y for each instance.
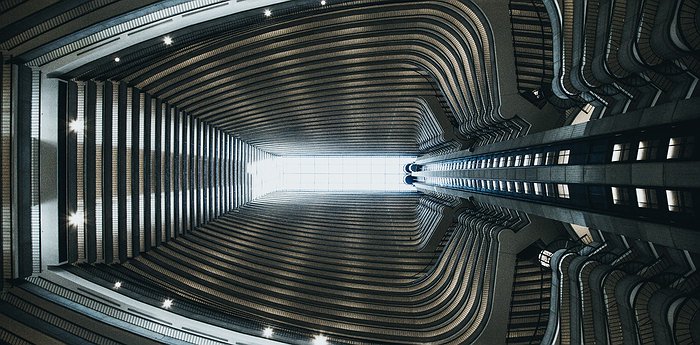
(538, 158)
(620, 152)
(550, 158)
(619, 196)
(647, 150)
(563, 158)
(678, 201)
(563, 190)
(680, 147)
(518, 160)
(538, 188)
(646, 198)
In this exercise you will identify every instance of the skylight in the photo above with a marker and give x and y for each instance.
(344, 173)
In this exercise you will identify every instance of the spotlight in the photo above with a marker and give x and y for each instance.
(117, 59)
(267, 332)
(167, 303)
(167, 40)
(76, 126)
(117, 285)
(76, 219)
(323, 2)
(268, 13)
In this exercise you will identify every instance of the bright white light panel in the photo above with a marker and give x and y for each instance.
(344, 173)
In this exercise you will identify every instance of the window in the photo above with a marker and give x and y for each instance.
(538, 188)
(538, 158)
(563, 157)
(502, 163)
(528, 160)
(646, 198)
(678, 201)
(509, 162)
(619, 196)
(621, 152)
(549, 189)
(563, 190)
(518, 160)
(550, 158)
(502, 186)
(647, 150)
(518, 187)
(527, 187)
(510, 186)
(330, 173)
(681, 147)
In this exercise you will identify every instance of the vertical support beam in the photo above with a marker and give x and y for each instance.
(147, 172)
(201, 197)
(184, 224)
(90, 151)
(121, 172)
(108, 163)
(36, 170)
(192, 174)
(204, 172)
(21, 161)
(62, 178)
(72, 169)
(166, 173)
(141, 177)
(212, 174)
(158, 171)
(5, 229)
(79, 132)
(134, 161)
(99, 171)
(176, 173)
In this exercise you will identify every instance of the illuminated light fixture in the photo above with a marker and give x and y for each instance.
(117, 285)
(167, 303)
(320, 340)
(268, 13)
(268, 332)
(167, 40)
(76, 219)
(323, 2)
(545, 258)
(76, 126)
(117, 59)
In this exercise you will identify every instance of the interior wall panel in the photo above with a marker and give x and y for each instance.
(20, 217)
(144, 172)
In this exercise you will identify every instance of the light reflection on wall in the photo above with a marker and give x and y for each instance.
(266, 176)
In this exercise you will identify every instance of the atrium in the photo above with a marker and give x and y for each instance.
(261, 172)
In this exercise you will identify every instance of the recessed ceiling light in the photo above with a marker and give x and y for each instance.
(117, 285)
(167, 40)
(117, 59)
(267, 332)
(323, 2)
(76, 126)
(167, 303)
(268, 13)
(76, 219)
